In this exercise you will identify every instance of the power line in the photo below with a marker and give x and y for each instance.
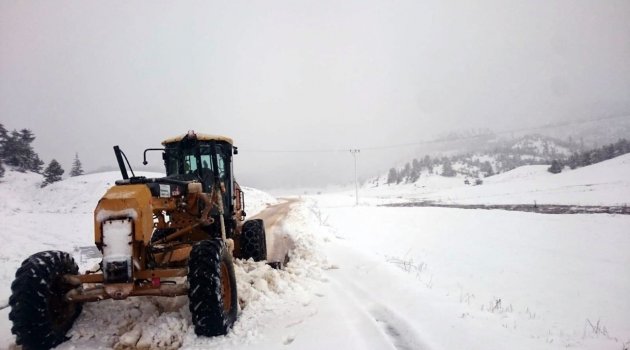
(294, 151)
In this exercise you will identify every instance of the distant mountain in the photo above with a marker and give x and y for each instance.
(580, 135)
(485, 155)
(588, 134)
(481, 153)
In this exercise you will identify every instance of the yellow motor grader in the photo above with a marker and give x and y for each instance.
(168, 236)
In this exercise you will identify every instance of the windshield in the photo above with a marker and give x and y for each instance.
(195, 162)
(181, 161)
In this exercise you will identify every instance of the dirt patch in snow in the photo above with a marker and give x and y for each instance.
(533, 208)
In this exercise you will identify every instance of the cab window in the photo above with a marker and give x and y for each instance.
(190, 164)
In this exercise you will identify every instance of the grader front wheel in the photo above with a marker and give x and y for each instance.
(41, 316)
(212, 288)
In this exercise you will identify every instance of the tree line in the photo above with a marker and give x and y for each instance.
(411, 171)
(505, 156)
(589, 157)
(16, 150)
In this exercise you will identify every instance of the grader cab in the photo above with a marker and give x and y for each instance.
(168, 236)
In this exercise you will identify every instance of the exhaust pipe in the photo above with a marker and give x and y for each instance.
(121, 164)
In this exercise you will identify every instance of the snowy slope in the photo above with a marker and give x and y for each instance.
(605, 183)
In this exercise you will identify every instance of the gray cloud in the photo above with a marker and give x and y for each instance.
(303, 75)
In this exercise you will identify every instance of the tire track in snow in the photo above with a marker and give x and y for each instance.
(395, 331)
(398, 330)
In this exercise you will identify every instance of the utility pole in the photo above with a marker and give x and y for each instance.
(354, 153)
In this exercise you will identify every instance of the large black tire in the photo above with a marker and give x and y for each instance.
(253, 240)
(41, 316)
(212, 288)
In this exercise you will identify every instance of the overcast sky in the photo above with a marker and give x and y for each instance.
(303, 75)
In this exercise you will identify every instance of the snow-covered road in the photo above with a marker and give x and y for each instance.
(487, 279)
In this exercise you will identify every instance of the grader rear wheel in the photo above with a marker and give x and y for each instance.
(253, 240)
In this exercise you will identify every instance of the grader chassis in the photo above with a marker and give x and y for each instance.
(152, 233)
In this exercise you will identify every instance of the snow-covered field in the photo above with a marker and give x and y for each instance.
(372, 277)
(605, 183)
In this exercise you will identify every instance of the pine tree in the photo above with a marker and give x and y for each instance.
(77, 169)
(556, 167)
(16, 150)
(416, 169)
(3, 140)
(572, 162)
(392, 176)
(429, 164)
(447, 168)
(486, 169)
(11, 150)
(36, 164)
(33, 163)
(405, 174)
(416, 165)
(52, 173)
(4, 135)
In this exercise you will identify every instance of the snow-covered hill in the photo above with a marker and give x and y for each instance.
(605, 183)
(475, 159)
(538, 145)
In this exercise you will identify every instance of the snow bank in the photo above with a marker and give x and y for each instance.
(256, 200)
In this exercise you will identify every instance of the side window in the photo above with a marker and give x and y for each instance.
(221, 167)
(221, 161)
(206, 159)
(173, 166)
(190, 163)
(206, 162)
(171, 161)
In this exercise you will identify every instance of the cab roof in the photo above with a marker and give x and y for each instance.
(200, 137)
